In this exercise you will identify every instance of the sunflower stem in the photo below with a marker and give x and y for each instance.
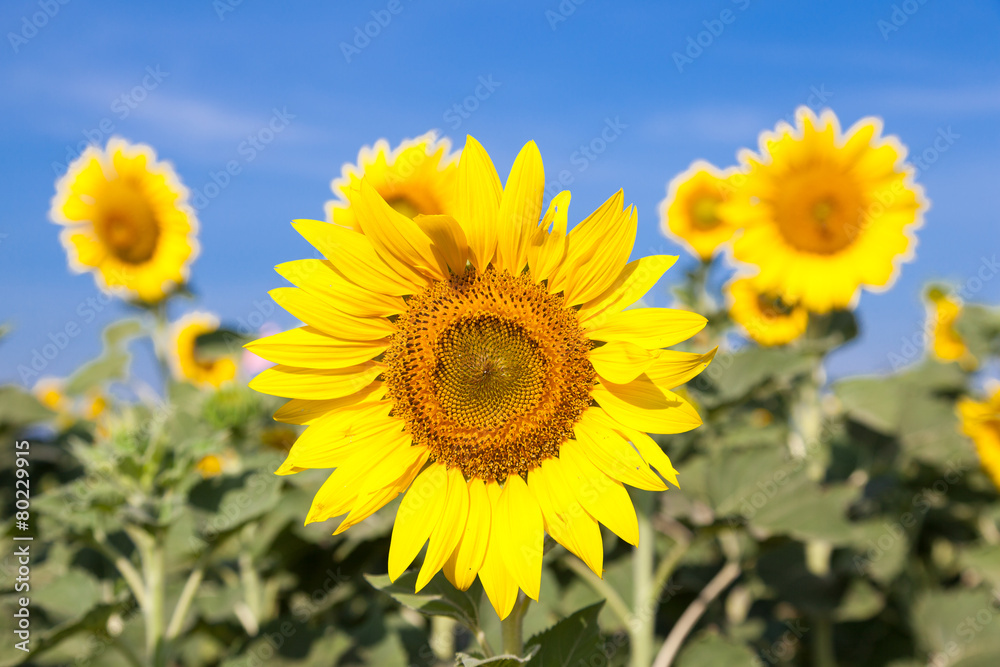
(643, 623)
(512, 627)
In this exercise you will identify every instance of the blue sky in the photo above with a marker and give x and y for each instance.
(195, 79)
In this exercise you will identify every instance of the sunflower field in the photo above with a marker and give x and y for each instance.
(500, 432)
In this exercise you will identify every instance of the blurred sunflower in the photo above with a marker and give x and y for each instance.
(692, 213)
(981, 422)
(127, 220)
(767, 318)
(186, 364)
(51, 392)
(946, 344)
(415, 178)
(516, 402)
(825, 212)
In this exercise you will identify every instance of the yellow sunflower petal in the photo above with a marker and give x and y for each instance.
(399, 241)
(597, 250)
(418, 514)
(620, 361)
(644, 406)
(304, 411)
(523, 534)
(479, 194)
(604, 498)
(566, 520)
(309, 347)
(614, 454)
(448, 239)
(467, 559)
(384, 483)
(321, 383)
(321, 278)
(319, 313)
(498, 581)
(520, 208)
(548, 248)
(353, 255)
(647, 327)
(647, 447)
(634, 281)
(446, 535)
(342, 433)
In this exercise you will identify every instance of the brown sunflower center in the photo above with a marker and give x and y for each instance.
(490, 371)
(705, 212)
(125, 222)
(773, 307)
(819, 209)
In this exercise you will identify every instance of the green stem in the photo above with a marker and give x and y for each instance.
(642, 626)
(442, 637)
(512, 627)
(823, 654)
(184, 602)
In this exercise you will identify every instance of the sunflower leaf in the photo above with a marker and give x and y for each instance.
(572, 641)
(437, 598)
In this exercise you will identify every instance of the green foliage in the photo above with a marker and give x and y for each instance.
(855, 513)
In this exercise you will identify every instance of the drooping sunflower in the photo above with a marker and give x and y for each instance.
(417, 177)
(482, 363)
(766, 317)
(981, 422)
(825, 212)
(692, 213)
(186, 364)
(126, 220)
(946, 344)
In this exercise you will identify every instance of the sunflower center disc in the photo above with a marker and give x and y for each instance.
(705, 212)
(125, 223)
(490, 372)
(820, 210)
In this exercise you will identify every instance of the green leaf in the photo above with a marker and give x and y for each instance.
(733, 375)
(874, 402)
(19, 407)
(805, 510)
(114, 360)
(962, 621)
(861, 602)
(979, 327)
(741, 482)
(569, 642)
(437, 598)
(711, 649)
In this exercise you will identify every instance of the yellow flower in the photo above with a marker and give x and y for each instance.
(209, 466)
(981, 422)
(184, 360)
(692, 213)
(127, 220)
(516, 402)
(767, 318)
(825, 212)
(415, 178)
(51, 393)
(946, 344)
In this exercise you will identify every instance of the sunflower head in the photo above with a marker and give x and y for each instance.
(826, 212)
(482, 363)
(766, 317)
(946, 345)
(185, 362)
(981, 422)
(417, 177)
(693, 212)
(126, 219)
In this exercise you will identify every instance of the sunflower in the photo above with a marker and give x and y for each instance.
(981, 422)
(184, 360)
(692, 213)
(946, 344)
(766, 317)
(483, 362)
(418, 177)
(825, 212)
(127, 220)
